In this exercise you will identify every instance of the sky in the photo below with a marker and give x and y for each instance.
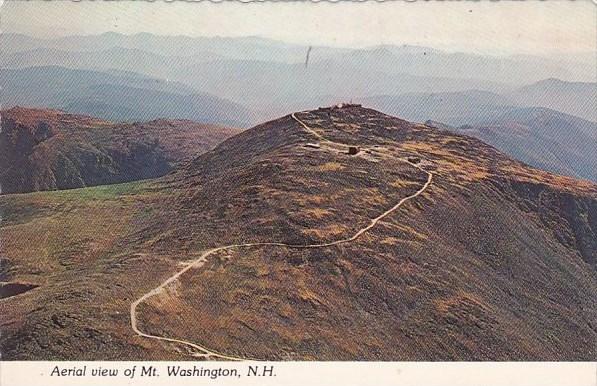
(529, 27)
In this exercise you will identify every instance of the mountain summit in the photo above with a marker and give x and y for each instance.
(334, 234)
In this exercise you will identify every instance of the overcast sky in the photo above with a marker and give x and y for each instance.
(488, 27)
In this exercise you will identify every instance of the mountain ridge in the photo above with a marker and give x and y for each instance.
(494, 260)
(116, 95)
(541, 137)
(44, 149)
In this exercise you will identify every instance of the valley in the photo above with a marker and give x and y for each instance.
(44, 149)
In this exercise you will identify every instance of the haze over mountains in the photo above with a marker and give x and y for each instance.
(414, 60)
(244, 81)
(576, 98)
(254, 71)
(115, 95)
(541, 137)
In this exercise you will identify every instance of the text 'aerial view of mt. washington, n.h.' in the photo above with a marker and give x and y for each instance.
(213, 182)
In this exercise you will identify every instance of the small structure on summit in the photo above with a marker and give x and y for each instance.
(353, 150)
(344, 105)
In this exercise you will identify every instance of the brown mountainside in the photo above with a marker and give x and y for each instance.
(475, 256)
(42, 149)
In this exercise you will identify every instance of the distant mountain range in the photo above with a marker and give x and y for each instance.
(249, 48)
(473, 106)
(576, 98)
(269, 89)
(115, 95)
(391, 59)
(128, 59)
(541, 137)
(242, 81)
(50, 149)
(258, 83)
(253, 71)
(453, 108)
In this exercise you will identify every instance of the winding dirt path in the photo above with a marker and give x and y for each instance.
(201, 260)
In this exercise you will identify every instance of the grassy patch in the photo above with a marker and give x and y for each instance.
(21, 208)
(51, 231)
(104, 192)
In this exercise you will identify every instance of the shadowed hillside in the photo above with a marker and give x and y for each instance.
(50, 149)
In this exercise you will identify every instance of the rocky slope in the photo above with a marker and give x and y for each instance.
(43, 149)
(493, 261)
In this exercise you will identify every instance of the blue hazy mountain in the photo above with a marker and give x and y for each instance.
(576, 98)
(271, 76)
(453, 108)
(541, 137)
(115, 95)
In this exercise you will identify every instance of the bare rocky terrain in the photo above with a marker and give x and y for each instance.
(43, 149)
(495, 260)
